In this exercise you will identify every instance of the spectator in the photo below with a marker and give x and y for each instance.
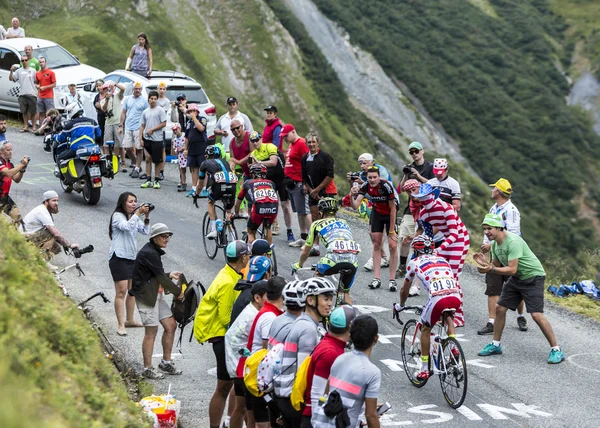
(133, 107)
(293, 181)
(422, 171)
(511, 256)
(139, 60)
(365, 161)
(258, 338)
(294, 301)
(178, 109)
(317, 176)
(212, 320)
(196, 143)
(355, 378)
(448, 186)
(15, 30)
(39, 227)
(2, 33)
(100, 114)
(259, 269)
(8, 174)
(164, 103)
(33, 62)
(2, 128)
(46, 82)
(125, 224)
(511, 219)
(239, 151)
(111, 106)
(177, 148)
(50, 122)
(272, 131)
(224, 124)
(236, 340)
(326, 352)
(152, 122)
(149, 280)
(27, 91)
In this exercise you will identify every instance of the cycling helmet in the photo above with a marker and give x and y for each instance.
(213, 151)
(328, 205)
(293, 295)
(316, 286)
(74, 110)
(258, 170)
(255, 136)
(423, 244)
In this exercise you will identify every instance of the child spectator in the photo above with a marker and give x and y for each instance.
(177, 148)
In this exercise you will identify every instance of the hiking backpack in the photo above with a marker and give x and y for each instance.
(184, 310)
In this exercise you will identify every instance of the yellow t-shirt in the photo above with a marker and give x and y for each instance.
(264, 152)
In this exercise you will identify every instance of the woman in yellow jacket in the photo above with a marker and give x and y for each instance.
(212, 320)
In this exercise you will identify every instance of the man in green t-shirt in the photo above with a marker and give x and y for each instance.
(33, 62)
(511, 256)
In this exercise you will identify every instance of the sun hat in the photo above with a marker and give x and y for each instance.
(424, 190)
(159, 229)
(440, 165)
(503, 185)
(411, 184)
(493, 220)
(191, 107)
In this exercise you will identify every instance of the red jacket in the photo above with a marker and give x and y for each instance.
(270, 126)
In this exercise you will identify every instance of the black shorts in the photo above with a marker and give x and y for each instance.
(223, 192)
(194, 161)
(379, 222)
(259, 407)
(282, 191)
(314, 202)
(154, 149)
(530, 290)
(494, 283)
(219, 351)
(239, 388)
(121, 269)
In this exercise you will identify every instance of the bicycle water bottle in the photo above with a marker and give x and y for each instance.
(219, 225)
(277, 368)
(435, 341)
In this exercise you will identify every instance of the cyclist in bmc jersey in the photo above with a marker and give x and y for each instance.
(341, 249)
(435, 274)
(217, 177)
(262, 197)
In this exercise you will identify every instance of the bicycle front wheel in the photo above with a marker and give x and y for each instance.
(411, 352)
(274, 261)
(454, 380)
(229, 234)
(210, 245)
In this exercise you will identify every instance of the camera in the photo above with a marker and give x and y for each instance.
(149, 205)
(109, 114)
(354, 176)
(407, 169)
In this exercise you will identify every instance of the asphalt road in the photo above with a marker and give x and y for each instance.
(516, 388)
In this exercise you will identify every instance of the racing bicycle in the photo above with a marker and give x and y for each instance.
(227, 232)
(446, 357)
(77, 253)
(339, 297)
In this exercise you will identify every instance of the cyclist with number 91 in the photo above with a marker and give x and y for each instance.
(216, 174)
(262, 196)
(436, 275)
(341, 249)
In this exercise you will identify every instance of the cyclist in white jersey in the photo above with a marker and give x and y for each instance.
(436, 276)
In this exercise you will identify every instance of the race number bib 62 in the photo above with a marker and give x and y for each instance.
(345, 247)
(265, 193)
(442, 285)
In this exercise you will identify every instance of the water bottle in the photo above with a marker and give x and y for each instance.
(219, 225)
(277, 368)
(435, 340)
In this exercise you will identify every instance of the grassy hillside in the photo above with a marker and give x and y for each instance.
(487, 71)
(53, 370)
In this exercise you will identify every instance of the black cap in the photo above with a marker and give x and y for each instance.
(270, 108)
(259, 287)
(231, 100)
(181, 97)
(260, 247)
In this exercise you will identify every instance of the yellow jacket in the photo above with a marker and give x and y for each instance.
(214, 313)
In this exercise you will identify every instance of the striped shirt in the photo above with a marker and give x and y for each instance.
(511, 218)
(442, 215)
(299, 344)
(355, 378)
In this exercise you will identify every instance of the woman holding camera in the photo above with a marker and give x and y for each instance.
(125, 224)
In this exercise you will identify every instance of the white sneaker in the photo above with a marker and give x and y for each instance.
(369, 265)
(297, 243)
(51, 267)
(414, 291)
(385, 262)
(225, 423)
(212, 235)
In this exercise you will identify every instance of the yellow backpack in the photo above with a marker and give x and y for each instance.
(300, 383)
(251, 372)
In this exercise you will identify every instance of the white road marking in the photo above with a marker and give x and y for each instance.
(388, 421)
(385, 338)
(397, 366)
(520, 409)
(468, 413)
(369, 309)
(572, 358)
(422, 410)
(478, 363)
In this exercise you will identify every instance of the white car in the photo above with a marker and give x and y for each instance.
(66, 67)
(177, 83)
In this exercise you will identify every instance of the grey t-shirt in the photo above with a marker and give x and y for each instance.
(152, 117)
(355, 378)
(164, 103)
(281, 328)
(26, 79)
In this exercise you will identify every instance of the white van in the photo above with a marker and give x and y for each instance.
(66, 67)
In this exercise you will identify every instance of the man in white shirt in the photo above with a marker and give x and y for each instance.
(222, 127)
(448, 186)
(16, 30)
(511, 218)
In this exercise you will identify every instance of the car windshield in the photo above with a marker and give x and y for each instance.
(193, 95)
(56, 56)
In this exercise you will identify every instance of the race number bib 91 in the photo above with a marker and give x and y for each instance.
(220, 177)
(345, 247)
(442, 285)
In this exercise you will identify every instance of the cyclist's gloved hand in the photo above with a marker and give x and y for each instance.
(295, 267)
(396, 307)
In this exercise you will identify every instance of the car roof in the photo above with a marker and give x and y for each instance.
(168, 76)
(19, 43)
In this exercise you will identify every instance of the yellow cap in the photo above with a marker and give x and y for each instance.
(503, 185)
(162, 85)
(137, 85)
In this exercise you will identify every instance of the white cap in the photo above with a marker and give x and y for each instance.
(365, 157)
(50, 194)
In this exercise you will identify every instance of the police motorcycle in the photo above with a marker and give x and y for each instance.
(83, 170)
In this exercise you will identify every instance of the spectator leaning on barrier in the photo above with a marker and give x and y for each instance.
(15, 31)
(449, 188)
(149, 280)
(25, 76)
(511, 256)
(224, 124)
(511, 218)
(8, 174)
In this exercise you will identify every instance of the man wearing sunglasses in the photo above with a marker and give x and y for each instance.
(421, 170)
(27, 90)
(223, 126)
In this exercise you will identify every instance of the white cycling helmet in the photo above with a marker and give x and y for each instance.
(292, 295)
(316, 286)
(73, 110)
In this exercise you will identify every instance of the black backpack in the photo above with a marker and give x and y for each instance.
(184, 310)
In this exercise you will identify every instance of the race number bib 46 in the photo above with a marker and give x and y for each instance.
(442, 285)
(345, 247)
(220, 177)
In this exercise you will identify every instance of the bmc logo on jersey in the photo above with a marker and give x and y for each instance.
(267, 210)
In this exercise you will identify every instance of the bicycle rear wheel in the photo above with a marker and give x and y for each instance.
(454, 381)
(274, 260)
(229, 234)
(210, 245)
(411, 352)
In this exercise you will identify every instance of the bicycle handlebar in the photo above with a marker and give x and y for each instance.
(396, 314)
(78, 252)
